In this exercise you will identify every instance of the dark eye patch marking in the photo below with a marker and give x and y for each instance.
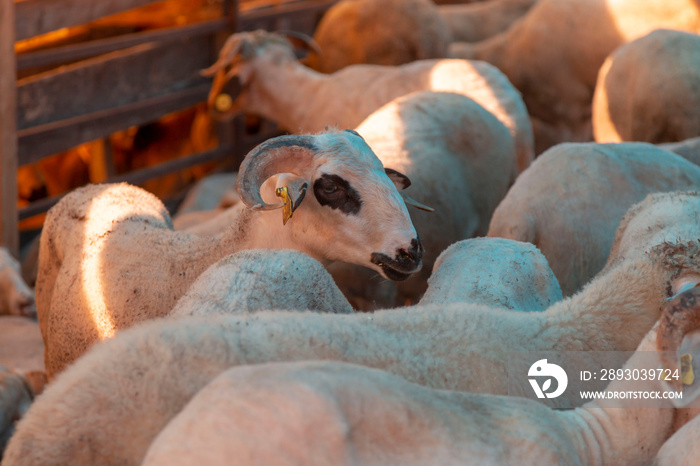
(336, 193)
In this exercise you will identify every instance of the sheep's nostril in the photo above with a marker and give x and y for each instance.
(412, 255)
(417, 246)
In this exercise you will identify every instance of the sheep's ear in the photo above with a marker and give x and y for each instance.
(291, 189)
(400, 180)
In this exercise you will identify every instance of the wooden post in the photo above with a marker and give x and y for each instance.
(9, 233)
(226, 131)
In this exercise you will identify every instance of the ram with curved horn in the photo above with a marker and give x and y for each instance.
(110, 259)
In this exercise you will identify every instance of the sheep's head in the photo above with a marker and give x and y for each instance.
(346, 206)
(232, 71)
(16, 298)
(680, 316)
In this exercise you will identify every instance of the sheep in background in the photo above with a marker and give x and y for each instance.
(554, 53)
(172, 359)
(21, 346)
(16, 298)
(276, 86)
(207, 198)
(473, 22)
(144, 376)
(460, 160)
(647, 90)
(572, 198)
(109, 257)
(16, 395)
(302, 412)
(379, 32)
(688, 149)
(262, 279)
(494, 272)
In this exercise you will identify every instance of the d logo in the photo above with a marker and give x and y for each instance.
(542, 369)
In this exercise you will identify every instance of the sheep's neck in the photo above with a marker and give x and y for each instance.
(613, 312)
(281, 93)
(258, 230)
(623, 431)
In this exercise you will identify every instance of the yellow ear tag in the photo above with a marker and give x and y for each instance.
(283, 193)
(223, 102)
(687, 375)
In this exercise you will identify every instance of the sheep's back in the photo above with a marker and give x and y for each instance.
(571, 200)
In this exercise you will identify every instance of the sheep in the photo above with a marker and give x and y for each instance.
(554, 53)
(473, 22)
(16, 396)
(572, 198)
(258, 279)
(647, 90)
(21, 346)
(144, 377)
(200, 212)
(213, 191)
(172, 359)
(379, 32)
(494, 272)
(16, 298)
(461, 161)
(689, 149)
(276, 86)
(682, 448)
(338, 413)
(109, 258)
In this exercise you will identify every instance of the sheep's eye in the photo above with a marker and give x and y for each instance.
(336, 193)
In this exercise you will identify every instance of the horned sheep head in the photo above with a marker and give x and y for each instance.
(223, 100)
(346, 205)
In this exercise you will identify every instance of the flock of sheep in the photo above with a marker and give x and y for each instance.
(440, 173)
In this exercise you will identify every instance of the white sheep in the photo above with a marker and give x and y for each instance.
(262, 279)
(689, 149)
(473, 22)
(109, 257)
(461, 161)
(146, 375)
(554, 53)
(380, 32)
(212, 191)
(494, 272)
(683, 448)
(16, 396)
(16, 298)
(21, 345)
(647, 90)
(205, 200)
(336, 413)
(276, 86)
(572, 198)
(456, 347)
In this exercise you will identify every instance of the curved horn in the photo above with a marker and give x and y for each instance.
(681, 315)
(301, 40)
(226, 55)
(283, 154)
